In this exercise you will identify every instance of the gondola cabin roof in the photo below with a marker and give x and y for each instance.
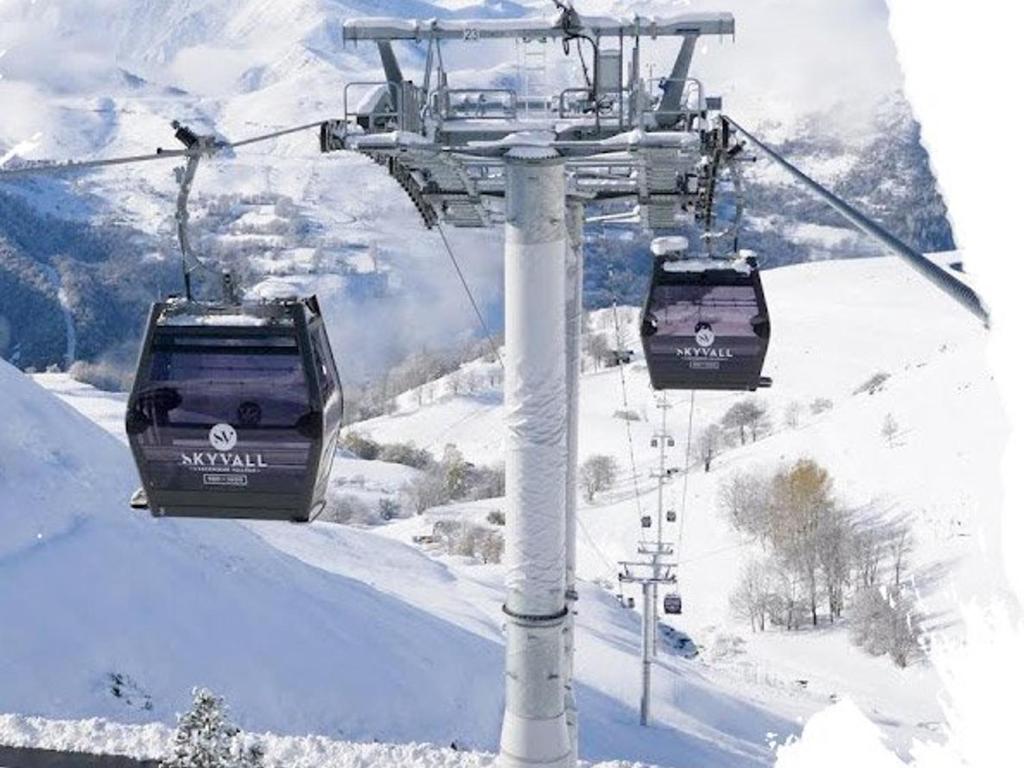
(180, 313)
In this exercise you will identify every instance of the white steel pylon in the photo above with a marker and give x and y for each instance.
(535, 731)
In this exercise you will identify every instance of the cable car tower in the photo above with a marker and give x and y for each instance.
(479, 157)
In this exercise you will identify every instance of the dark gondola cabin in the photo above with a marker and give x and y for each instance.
(235, 410)
(673, 604)
(705, 325)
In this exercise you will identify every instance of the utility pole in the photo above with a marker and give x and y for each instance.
(652, 569)
(648, 574)
(664, 441)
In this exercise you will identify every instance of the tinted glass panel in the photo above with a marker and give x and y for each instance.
(225, 416)
(729, 309)
(204, 381)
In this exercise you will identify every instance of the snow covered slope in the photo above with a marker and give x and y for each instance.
(322, 629)
(104, 612)
(835, 325)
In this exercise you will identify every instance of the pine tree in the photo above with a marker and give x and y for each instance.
(207, 739)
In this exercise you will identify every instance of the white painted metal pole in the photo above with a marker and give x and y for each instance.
(534, 732)
(573, 328)
(646, 652)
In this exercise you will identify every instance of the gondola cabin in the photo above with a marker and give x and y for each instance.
(235, 410)
(673, 604)
(705, 324)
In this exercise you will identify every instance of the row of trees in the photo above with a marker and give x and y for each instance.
(442, 481)
(419, 373)
(460, 537)
(817, 555)
(747, 421)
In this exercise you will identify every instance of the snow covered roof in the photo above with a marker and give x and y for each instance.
(662, 246)
(708, 265)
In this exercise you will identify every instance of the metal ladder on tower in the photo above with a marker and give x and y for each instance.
(532, 63)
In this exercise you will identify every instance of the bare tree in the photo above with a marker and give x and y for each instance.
(835, 556)
(900, 542)
(751, 597)
(890, 428)
(794, 412)
(868, 546)
(709, 444)
(801, 500)
(884, 621)
(748, 418)
(745, 499)
(786, 605)
(597, 474)
(455, 382)
(596, 347)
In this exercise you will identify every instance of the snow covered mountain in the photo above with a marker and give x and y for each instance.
(90, 78)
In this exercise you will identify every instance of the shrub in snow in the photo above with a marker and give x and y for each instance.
(426, 491)
(454, 472)
(496, 517)
(875, 384)
(890, 429)
(206, 738)
(349, 510)
(389, 509)
(105, 375)
(794, 412)
(597, 474)
(595, 347)
(883, 621)
(486, 482)
(361, 446)
(458, 537)
(820, 404)
(406, 454)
